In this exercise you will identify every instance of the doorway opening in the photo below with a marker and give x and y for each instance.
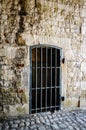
(45, 79)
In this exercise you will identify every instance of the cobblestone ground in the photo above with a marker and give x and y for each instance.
(59, 120)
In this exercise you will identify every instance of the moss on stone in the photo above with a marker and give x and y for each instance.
(20, 109)
(71, 2)
(44, 8)
(23, 98)
(17, 100)
(38, 5)
(69, 16)
(56, 9)
(21, 41)
(11, 90)
(62, 12)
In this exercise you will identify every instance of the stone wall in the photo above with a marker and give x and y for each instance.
(25, 23)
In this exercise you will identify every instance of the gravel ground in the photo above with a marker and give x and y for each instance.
(59, 120)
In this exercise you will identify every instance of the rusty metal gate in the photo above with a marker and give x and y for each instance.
(45, 78)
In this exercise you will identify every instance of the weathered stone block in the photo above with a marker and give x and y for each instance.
(83, 12)
(83, 67)
(70, 55)
(82, 103)
(83, 85)
(84, 30)
(71, 102)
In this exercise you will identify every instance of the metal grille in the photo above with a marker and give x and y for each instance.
(45, 79)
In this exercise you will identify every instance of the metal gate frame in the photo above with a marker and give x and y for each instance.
(60, 80)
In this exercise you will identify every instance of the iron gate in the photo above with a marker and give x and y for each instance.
(45, 78)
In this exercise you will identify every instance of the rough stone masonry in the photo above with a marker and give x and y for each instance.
(24, 23)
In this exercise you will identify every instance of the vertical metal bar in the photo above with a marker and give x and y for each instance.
(41, 79)
(30, 101)
(51, 80)
(60, 89)
(36, 80)
(46, 78)
(55, 75)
